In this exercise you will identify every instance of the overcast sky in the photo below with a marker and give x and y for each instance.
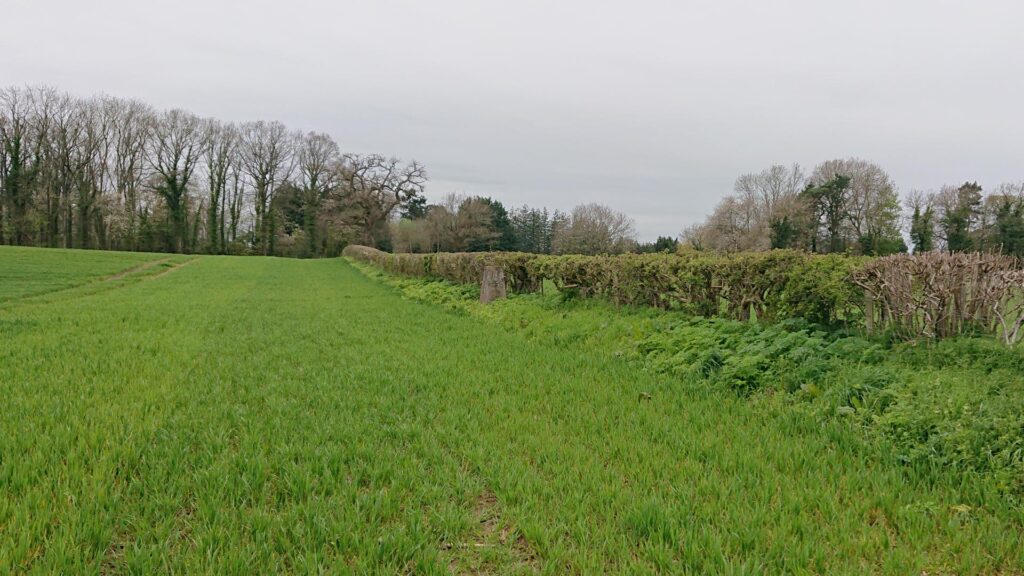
(653, 108)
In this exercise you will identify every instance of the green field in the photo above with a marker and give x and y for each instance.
(245, 415)
(30, 271)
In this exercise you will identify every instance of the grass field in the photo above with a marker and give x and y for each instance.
(229, 415)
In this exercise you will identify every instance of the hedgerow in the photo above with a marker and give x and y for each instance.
(941, 295)
(907, 297)
(769, 285)
(458, 267)
(766, 285)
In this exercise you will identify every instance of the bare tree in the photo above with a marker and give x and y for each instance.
(872, 208)
(694, 236)
(93, 154)
(918, 200)
(764, 190)
(4, 171)
(60, 133)
(318, 160)
(595, 229)
(1011, 190)
(132, 125)
(221, 144)
(745, 220)
(457, 222)
(267, 154)
(235, 200)
(14, 164)
(736, 224)
(373, 187)
(441, 222)
(175, 153)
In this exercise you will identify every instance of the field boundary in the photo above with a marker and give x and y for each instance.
(927, 296)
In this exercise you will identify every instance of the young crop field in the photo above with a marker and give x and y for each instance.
(30, 271)
(253, 415)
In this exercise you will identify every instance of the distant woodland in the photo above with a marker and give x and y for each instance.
(111, 173)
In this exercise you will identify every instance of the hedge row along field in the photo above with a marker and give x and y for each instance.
(458, 267)
(930, 295)
(939, 295)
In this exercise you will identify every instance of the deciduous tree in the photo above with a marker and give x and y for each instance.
(595, 229)
(267, 155)
(373, 187)
(178, 142)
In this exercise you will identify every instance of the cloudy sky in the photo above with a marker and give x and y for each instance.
(651, 107)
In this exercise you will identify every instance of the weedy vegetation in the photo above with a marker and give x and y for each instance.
(237, 415)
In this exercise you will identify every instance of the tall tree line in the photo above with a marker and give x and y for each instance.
(475, 224)
(112, 173)
(843, 205)
(964, 218)
(852, 205)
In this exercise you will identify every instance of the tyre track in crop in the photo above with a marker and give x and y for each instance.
(117, 281)
(107, 282)
(135, 269)
(172, 268)
(494, 543)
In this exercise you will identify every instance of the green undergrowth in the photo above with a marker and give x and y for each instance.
(954, 407)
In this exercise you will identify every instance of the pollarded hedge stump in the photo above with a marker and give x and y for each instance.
(492, 284)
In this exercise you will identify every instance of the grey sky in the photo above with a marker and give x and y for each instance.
(651, 107)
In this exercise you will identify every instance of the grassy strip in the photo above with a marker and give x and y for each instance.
(952, 407)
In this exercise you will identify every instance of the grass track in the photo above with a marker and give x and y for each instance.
(254, 415)
(29, 271)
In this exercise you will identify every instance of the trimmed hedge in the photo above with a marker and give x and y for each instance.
(768, 285)
(458, 267)
(927, 295)
(909, 296)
